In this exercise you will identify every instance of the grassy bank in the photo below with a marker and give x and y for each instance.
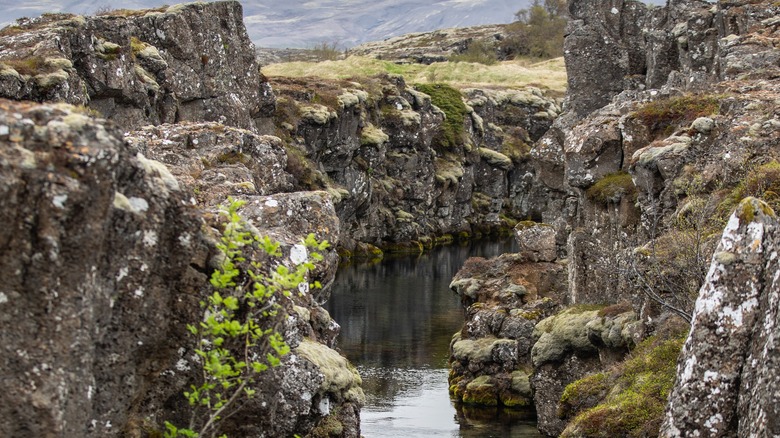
(550, 74)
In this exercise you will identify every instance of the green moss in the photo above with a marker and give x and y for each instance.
(581, 393)
(516, 149)
(330, 426)
(750, 206)
(303, 171)
(495, 159)
(450, 101)
(762, 182)
(233, 157)
(137, 46)
(412, 247)
(636, 393)
(612, 188)
(448, 171)
(664, 115)
(30, 66)
(372, 136)
(481, 391)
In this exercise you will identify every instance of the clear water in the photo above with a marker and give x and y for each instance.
(397, 319)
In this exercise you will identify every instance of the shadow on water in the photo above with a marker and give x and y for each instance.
(397, 319)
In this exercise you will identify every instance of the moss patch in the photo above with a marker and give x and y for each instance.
(612, 188)
(664, 115)
(763, 182)
(450, 101)
(631, 397)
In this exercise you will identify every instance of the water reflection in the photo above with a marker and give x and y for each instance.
(397, 319)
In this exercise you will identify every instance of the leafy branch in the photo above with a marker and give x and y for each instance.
(237, 338)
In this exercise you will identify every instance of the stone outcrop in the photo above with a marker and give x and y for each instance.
(437, 46)
(96, 239)
(727, 374)
(109, 257)
(645, 163)
(189, 62)
(403, 170)
(111, 237)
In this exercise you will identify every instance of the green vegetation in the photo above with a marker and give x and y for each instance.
(539, 30)
(478, 52)
(549, 74)
(237, 338)
(628, 400)
(31, 66)
(450, 101)
(612, 188)
(762, 182)
(663, 116)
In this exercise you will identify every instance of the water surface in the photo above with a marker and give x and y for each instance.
(397, 319)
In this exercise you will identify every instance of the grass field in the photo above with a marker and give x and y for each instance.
(549, 74)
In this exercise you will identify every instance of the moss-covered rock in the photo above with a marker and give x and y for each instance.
(450, 101)
(339, 377)
(612, 188)
(481, 391)
(564, 333)
(630, 399)
(481, 350)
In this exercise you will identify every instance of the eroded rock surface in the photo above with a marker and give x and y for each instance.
(110, 253)
(190, 62)
(727, 372)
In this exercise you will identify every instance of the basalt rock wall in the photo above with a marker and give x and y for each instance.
(189, 62)
(414, 163)
(670, 120)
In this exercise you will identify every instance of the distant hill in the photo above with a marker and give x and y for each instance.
(305, 23)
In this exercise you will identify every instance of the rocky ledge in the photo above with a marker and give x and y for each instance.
(650, 162)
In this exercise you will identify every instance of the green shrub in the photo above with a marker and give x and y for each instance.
(612, 188)
(479, 52)
(664, 115)
(237, 338)
(450, 101)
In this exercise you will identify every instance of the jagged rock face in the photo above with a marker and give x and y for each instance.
(110, 255)
(727, 374)
(96, 239)
(504, 297)
(604, 40)
(183, 63)
(377, 146)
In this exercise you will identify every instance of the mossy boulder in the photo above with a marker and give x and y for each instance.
(483, 350)
(339, 377)
(564, 333)
(481, 391)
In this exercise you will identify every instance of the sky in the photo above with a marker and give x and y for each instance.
(306, 23)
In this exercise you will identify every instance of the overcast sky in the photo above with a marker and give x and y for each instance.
(304, 23)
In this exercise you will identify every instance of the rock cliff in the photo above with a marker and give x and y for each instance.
(647, 163)
(189, 62)
(408, 165)
(727, 373)
(112, 235)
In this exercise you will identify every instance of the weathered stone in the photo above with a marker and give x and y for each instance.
(181, 63)
(104, 260)
(726, 373)
(536, 242)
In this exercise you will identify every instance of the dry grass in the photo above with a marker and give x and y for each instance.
(550, 74)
